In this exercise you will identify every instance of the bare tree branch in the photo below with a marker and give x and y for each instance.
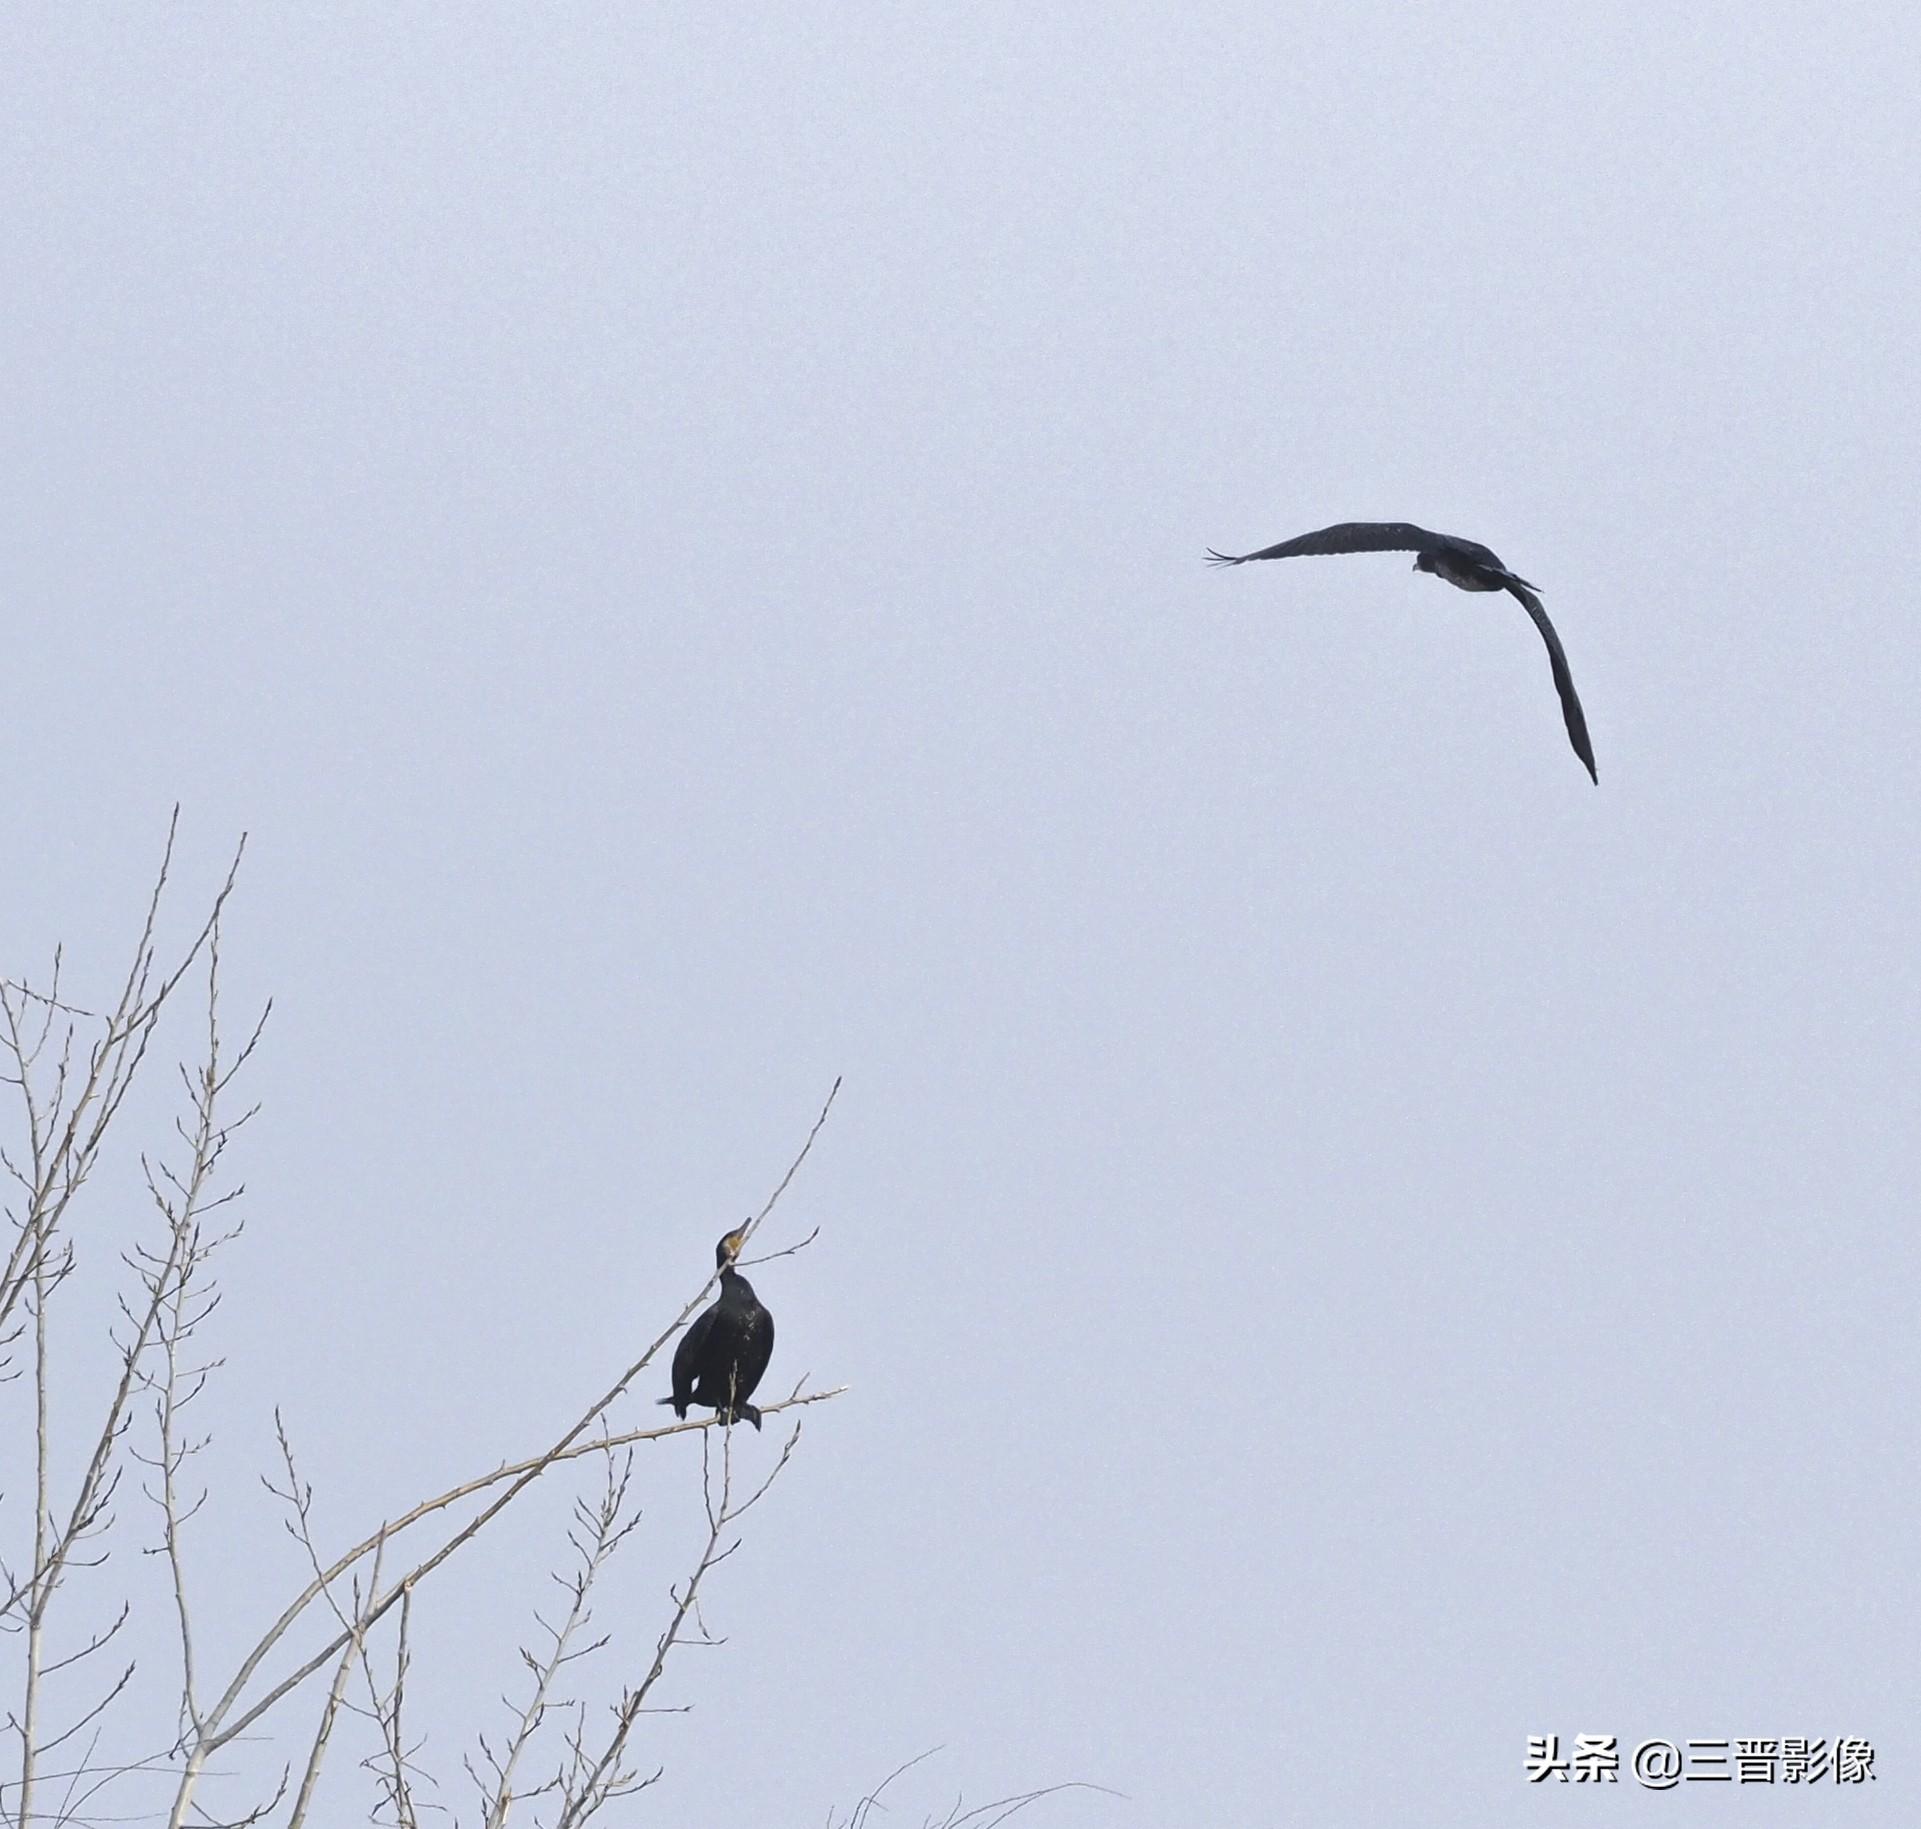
(596, 1782)
(980, 1816)
(65, 1125)
(67, 1070)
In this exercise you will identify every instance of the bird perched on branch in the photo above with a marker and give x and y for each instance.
(1466, 564)
(721, 1357)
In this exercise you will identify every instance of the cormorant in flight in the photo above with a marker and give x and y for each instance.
(1466, 564)
(724, 1352)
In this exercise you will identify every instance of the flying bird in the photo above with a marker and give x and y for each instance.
(1466, 564)
(721, 1357)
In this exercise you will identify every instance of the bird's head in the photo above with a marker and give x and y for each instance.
(1423, 562)
(729, 1248)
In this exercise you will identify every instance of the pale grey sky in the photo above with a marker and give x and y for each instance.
(678, 531)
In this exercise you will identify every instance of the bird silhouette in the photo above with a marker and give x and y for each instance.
(1466, 564)
(722, 1355)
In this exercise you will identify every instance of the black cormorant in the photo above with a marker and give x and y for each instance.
(724, 1352)
(1464, 563)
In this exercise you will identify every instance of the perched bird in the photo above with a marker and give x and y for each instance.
(1466, 564)
(721, 1357)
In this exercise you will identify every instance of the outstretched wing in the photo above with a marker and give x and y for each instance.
(1347, 537)
(1563, 679)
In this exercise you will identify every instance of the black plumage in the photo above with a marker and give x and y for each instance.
(1466, 564)
(723, 1353)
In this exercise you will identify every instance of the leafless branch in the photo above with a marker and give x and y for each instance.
(788, 1252)
(596, 1781)
(66, 1112)
(349, 1656)
(959, 1816)
(597, 1533)
(66, 1070)
(394, 1768)
(226, 1718)
(871, 1802)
